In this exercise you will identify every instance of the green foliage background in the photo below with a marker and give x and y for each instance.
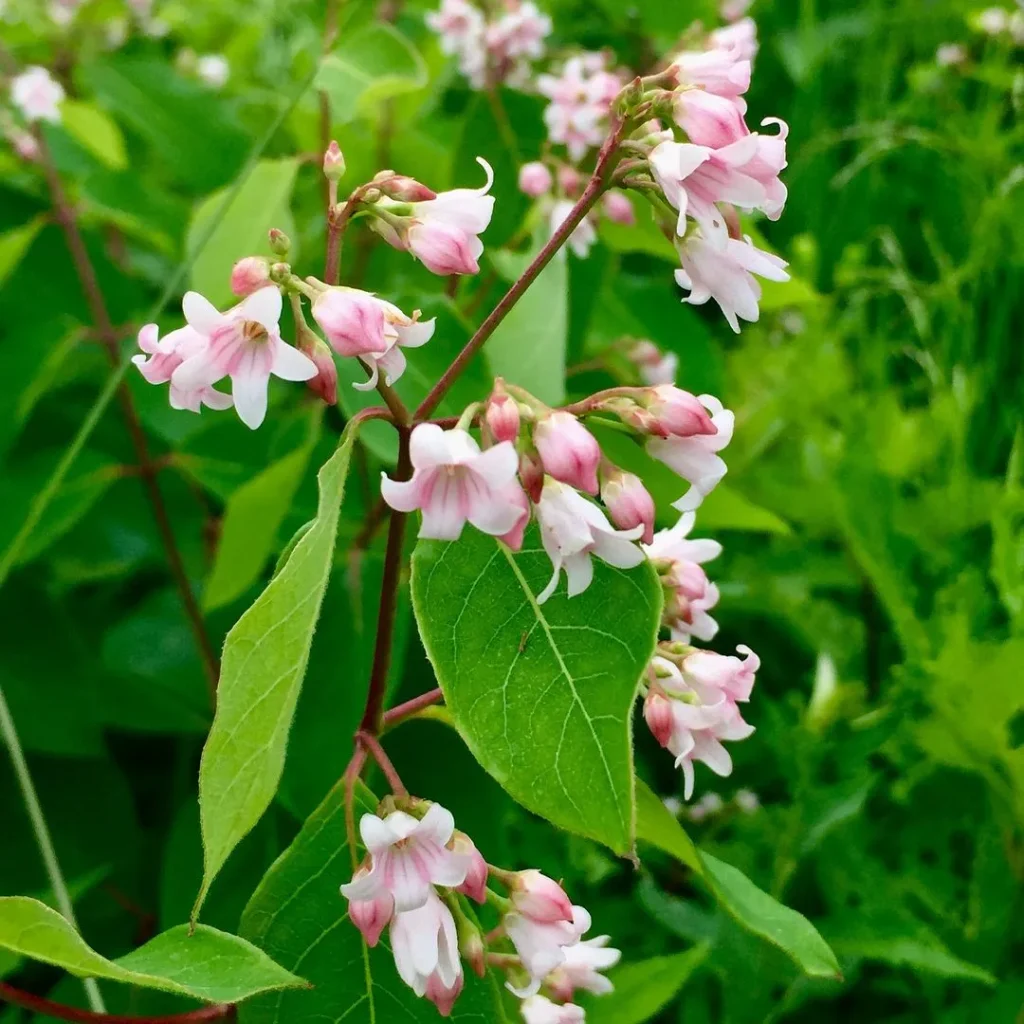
(872, 518)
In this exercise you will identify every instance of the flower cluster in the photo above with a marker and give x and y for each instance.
(492, 48)
(37, 96)
(580, 100)
(417, 879)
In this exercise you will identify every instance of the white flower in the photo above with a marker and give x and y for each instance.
(541, 944)
(540, 1010)
(426, 949)
(37, 95)
(571, 529)
(214, 70)
(581, 969)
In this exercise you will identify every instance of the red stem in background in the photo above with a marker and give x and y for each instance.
(400, 712)
(58, 1011)
(108, 335)
(591, 194)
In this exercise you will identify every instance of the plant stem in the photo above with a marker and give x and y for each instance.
(37, 1004)
(372, 744)
(597, 184)
(86, 272)
(42, 834)
(402, 712)
(355, 766)
(372, 715)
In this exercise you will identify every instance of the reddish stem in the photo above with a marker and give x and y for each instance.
(591, 194)
(37, 1004)
(108, 334)
(355, 766)
(401, 712)
(377, 752)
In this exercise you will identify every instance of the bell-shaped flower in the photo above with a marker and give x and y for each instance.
(677, 413)
(475, 884)
(568, 451)
(722, 71)
(454, 481)
(709, 672)
(352, 321)
(617, 207)
(162, 356)
(726, 274)
(400, 332)
(37, 95)
(541, 944)
(408, 857)
(540, 898)
(371, 916)
(582, 968)
(516, 497)
(629, 503)
(572, 529)
(708, 119)
(741, 37)
(695, 459)
(244, 344)
(425, 945)
(538, 1009)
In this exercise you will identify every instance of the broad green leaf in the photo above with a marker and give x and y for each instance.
(249, 530)
(923, 954)
(542, 694)
(643, 235)
(369, 65)
(260, 204)
(529, 346)
(15, 243)
(209, 965)
(96, 130)
(752, 908)
(264, 662)
(726, 509)
(298, 917)
(643, 989)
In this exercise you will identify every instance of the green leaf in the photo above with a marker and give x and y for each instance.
(726, 509)
(369, 65)
(209, 965)
(252, 520)
(643, 235)
(264, 662)
(96, 130)
(299, 918)
(15, 243)
(542, 695)
(259, 205)
(751, 907)
(643, 989)
(529, 346)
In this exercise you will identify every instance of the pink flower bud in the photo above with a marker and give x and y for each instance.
(618, 208)
(502, 417)
(629, 503)
(371, 916)
(677, 413)
(475, 885)
(443, 248)
(473, 952)
(280, 243)
(708, 119)
(540, 898)
(568, 451)
(515, 495)
(531, 474)
(249, 275)
(403, 188)
(352, 320)
(569, 180)
(334, 162)
(659, 717)
(534, 179)
(325, 383)
(441, 996)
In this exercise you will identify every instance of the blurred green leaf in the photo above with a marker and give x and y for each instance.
(550, 717)
(208, 965)
(264, 662)
(15, 243)
(96, 130)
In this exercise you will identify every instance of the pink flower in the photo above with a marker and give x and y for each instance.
(534, 179)
(695, 459)
(443, 232)
(453, 481)
(516, 497)
(678, 413)
(352, 320)
(581, 98)
(502, 417)
(571, 530)
(617, 207)
(707, 671)
(325, 383)
(629, 503)
(165, 356)
(371, 916)
(37, 95)
(540, 898)
(249, 275)
(708, 119)
(400, 332)
(721, 71)
(659, 717)
(733, 10)
(568, 451)
(583, 236)
(408, 857)
(726, 274)
(456, 22)
(740, 36)
(475, 885)
(519, 32)
(24, 144)
(541, 944)
(538, 1009)
(244, 344)
(581, 969)
(656, 367)
(426, 950)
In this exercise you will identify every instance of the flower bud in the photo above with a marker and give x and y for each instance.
(471, 946)
(569, 179)
(539, 898)
(444, 248)
(475, 885)
(249, 275)
(659, 717)
(370, 916)
(629, 503)
(678, 413)
(403, 188)
(534, 179)
(443, 998)
(280, 243)
(568, 451)
(515, 495)
(531, 473)
(502, 417)
(618, 208)
(334, 162)
(352, 320)
(325, 383)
